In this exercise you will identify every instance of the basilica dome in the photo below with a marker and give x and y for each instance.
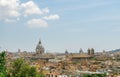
(39, 48)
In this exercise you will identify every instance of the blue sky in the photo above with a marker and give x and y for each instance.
(60, 24)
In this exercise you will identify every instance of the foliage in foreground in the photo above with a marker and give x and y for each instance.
(3, 72)
(94, 75)
(19, 68)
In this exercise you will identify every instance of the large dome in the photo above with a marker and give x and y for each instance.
(39, 48)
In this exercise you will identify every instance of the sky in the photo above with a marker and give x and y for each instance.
(60, 25)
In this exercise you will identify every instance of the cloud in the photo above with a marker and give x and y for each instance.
(9, 9)
(52, 17)
(31, 8)
(45, 10)
(14, 10)
(37, 23)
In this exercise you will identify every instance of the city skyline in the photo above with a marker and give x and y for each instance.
(61, 25)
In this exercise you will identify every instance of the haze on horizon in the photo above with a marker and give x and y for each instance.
(60, 24)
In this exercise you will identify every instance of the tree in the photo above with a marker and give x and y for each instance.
(94, 75)
(22, 69)
(32, 72)
(19, 68)
(3, 72)
(16, 67)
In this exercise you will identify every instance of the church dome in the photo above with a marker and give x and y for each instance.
(39, 48)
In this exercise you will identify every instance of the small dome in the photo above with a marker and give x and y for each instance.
(66, 52)
(81, 51)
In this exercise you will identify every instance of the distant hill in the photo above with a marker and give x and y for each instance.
(116, 50)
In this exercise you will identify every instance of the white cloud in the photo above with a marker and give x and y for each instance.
(36, 23)
(14, 10)
(31, 8)
(9, 9)
(52, 17)
(45, 10)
